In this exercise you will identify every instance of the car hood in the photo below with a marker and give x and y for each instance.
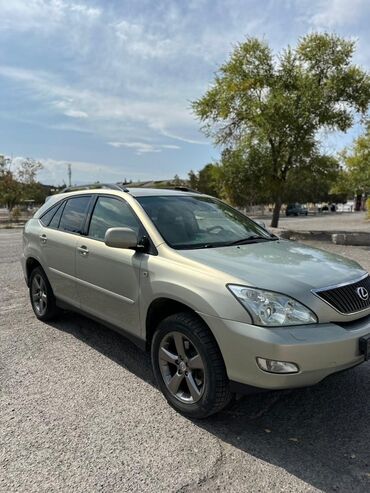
(279, 265)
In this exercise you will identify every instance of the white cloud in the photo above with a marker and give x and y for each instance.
(85, 10)
(44, 15)
(137, 40)
(76, 114)
(67, 108)
(329, 14)
(107, 113)
(55, 171)
(170, 146)
(125, 72)
(133, 72)
(143, 147)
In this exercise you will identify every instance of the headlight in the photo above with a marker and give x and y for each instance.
(272, 309)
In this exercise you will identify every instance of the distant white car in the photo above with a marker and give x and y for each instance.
(347, 207)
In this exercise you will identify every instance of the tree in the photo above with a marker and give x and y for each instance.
(357, 163)
(5, 164)
(354, 177)
(177, 182)
(313, 183)
(193, 180)
(18, 181)
(211, 180)
(245, 180)
(10, 190)
(280, 103)
(243, 174)
(208, 180)
(27, 170)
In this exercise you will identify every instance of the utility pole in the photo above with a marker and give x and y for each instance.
(69, 174)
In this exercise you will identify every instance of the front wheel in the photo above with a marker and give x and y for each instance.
(188, 366)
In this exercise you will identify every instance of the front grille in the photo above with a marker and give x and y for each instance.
(345, 298)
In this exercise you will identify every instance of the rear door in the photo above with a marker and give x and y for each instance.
(109, 278)
(59, 240)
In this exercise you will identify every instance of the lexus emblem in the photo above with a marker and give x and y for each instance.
(363, 293)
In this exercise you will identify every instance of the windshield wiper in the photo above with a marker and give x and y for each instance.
(251, 239)
(195, 246)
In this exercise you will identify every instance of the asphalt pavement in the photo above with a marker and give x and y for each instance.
(79, 412)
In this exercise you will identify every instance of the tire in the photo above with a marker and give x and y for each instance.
(193, 380)
(41, 295)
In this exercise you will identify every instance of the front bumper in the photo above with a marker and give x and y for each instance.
(319, 350)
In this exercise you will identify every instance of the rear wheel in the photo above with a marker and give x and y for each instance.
(188, 366)
(41, 295)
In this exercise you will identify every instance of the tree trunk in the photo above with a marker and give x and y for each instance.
(276, 213)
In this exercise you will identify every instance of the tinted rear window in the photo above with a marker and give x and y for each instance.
(54, 223)
(74, 214)
(47, 217)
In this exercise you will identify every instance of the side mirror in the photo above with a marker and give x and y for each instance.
(121, 238)
(261, 223)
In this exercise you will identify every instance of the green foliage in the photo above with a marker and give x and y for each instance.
(246, 180)
(354, 177)
(10, 190)
(35, 191)
(208, 180)
(278, 104)
(312, 183)
(193, 180)
(18, 182)
(357, 163)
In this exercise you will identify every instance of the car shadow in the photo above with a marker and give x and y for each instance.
(319, 434)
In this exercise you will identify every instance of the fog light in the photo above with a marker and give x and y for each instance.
(273, 366)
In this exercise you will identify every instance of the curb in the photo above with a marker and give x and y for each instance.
(337, 237)
(357, 239)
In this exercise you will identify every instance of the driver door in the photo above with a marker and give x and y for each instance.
(108, 278)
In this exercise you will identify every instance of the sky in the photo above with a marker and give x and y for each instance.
(107, 85)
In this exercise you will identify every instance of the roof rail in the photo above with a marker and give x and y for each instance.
(185, 189)
(110, 186)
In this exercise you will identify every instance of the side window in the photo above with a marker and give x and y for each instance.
(111, 213)
(74, 214)
(54, 223)
(46, 218)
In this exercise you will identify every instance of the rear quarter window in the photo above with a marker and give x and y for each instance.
(48, 215)
(54, 223)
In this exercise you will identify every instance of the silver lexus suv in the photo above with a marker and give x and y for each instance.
(223, 305)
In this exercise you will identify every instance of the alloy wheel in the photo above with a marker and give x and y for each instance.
(39, 295)
(182, 367)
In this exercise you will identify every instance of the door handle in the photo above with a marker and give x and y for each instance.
(83, 250)
(43, 239)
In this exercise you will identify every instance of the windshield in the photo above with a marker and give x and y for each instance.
(200, 222)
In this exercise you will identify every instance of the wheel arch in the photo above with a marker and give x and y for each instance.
(161, 308)
(31, 264)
